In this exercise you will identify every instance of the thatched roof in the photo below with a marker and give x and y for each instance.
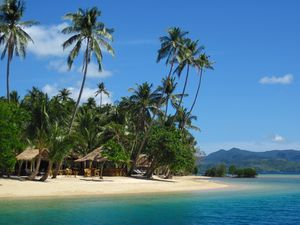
(95, 155)
(30, 154)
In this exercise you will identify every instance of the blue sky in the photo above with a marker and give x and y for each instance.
(250, 100)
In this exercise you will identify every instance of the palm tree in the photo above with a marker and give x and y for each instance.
(184, 119)
(170, 46)
(101, 90)
(143, 103)
(202, 62)
(13, 36)
(169, 85)
(14, 97)
(186, 58)
(64, 94)
(86, 30)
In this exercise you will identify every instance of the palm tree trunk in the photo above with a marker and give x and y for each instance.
(101, 99)
(150, 170)
(185, 84)
(167, 104)
(47, 173)
(57, 168)
(37, 167)
(7, 78)
(150, 125)
(197, 93)
(82, 86)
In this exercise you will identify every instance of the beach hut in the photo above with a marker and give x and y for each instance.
(94, 156)
(30, 156)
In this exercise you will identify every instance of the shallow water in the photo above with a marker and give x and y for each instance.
(268, 200)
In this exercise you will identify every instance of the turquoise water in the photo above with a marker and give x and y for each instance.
(267, 200)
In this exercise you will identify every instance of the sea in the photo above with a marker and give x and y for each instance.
(265, 200)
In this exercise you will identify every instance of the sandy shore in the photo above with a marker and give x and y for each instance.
(80, 186)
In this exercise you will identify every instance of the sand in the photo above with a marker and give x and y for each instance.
(81, 186)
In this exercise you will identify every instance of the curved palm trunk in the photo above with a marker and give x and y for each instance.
(82, 86)
(7, 78)
(150, 126)
(47, 173)
(197, 93)
(185, 84)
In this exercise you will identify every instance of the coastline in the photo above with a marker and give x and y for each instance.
(109, 186)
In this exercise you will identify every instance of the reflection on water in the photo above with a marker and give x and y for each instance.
(269, 199)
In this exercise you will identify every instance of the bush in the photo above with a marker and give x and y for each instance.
(246, 173)
(217, 171)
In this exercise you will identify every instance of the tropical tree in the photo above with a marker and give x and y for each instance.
(101, 90)
(186, 59)
(143, 103)
(202, 63)
(169, 86)
(13, 35)
(86, 30)
(185, 120)
(170, 46)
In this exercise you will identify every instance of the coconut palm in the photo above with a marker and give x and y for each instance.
(86, 30)
(13, 35)
(186, 59)
(143, 103)
(15, 97)
(169, 85)
(185, 120)
(170, 46)
(101, 90)
(202, 63)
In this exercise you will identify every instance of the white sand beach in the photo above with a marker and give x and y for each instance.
(81, 186)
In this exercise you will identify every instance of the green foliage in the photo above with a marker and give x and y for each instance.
(12, 121)
(166, 148)
(232, 170)
(246, 173)
(216, 171)
(115, 152)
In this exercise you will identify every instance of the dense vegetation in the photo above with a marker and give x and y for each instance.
(270, 161)
(151, 120)
(221, 171)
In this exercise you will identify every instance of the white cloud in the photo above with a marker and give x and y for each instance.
(278, 138)
(286, 79)
(87, 93)
(48, 40)
(52, 90)
(59, 65)
(93, 71)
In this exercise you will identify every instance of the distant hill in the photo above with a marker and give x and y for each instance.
(269, 161)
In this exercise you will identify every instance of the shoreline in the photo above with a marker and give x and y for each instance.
(71, 187)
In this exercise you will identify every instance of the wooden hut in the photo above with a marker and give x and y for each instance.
(30, 156)
(96, 157)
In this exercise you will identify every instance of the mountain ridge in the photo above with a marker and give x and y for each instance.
(267, 161)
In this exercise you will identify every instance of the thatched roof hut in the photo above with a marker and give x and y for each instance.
(30, 154)
(95, 155)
